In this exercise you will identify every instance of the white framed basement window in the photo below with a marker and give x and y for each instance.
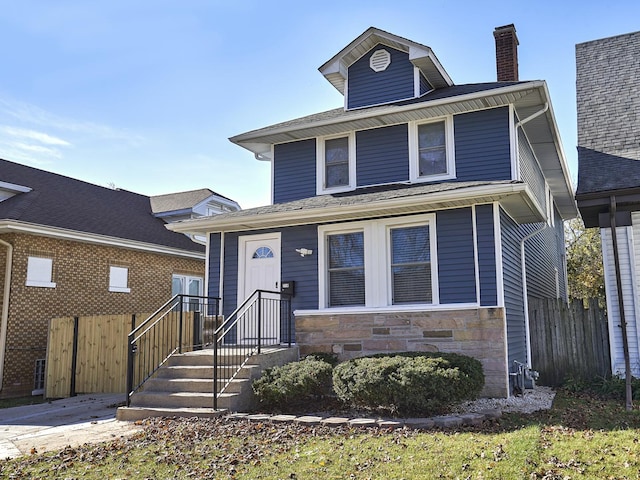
(379, 263)
(336, 163)
(119, 279)
(40, 272)
(431, 150)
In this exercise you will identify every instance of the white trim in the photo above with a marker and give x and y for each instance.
(416, 81)
(14, 187)
(320, 164)
(221, 284)
(634, 289)
(497, 234)
(376, 265)
(392, 309)
(272, 161)
(476, 261)
(242, 250)
(414, 157)
(53, 232)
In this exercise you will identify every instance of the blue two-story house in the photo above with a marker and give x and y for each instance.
(420, 216)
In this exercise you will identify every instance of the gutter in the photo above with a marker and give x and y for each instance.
(4, 318)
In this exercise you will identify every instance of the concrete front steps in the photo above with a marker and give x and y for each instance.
(184, 387)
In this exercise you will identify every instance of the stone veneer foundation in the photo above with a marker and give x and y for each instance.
(476, 332)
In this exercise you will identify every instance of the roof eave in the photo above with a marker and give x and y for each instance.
(13, 226)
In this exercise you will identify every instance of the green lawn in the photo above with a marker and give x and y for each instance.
(581, 437)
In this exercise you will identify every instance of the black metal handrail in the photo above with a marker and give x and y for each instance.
(259, 321)
(160, 336)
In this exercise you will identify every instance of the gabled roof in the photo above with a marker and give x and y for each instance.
(62, 204)
(335, 69)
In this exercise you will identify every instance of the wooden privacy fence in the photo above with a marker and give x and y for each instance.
(568, 340)
(89, 354)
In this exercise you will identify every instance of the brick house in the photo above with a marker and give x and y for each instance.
(608, 193)
(70, 248)
(420, 215)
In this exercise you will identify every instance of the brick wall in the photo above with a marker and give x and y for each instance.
(81, 274)
(479, 333)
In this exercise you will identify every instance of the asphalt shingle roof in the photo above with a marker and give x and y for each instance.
(63, 202)
(603, 172)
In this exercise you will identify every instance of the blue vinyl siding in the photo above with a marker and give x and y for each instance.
(294, 171)
(366, 87)
(302, 270)
(513, 295)
(530, 171)
(486, 255)
(456, 262)
(425, 86)
(230, 293)
(382, 155)
(483, 145)
(214, 265)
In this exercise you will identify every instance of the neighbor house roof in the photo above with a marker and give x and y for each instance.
(72, 208)
(179, 201)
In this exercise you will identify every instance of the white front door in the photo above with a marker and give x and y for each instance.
(259, 269)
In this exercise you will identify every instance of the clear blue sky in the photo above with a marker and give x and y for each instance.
(144, 94)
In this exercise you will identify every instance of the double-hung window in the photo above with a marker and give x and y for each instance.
(336, 163)
(431, 150)
(378, 263)
(345, 252)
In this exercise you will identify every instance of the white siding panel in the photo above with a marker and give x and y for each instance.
(629, 288)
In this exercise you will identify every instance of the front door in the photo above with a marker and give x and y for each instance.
(259, 270)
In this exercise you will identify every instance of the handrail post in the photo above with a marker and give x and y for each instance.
(130, 352)
(259, 320)
(180, 324)
(215, 369)
(289, 319)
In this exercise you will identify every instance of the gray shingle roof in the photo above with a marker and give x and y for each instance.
(602, 172)
(179, 201)
(66, 203)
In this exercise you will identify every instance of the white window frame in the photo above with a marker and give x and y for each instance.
(115, 279)
(321, 168)
(414, 157)
(40, 272)
(377, 267)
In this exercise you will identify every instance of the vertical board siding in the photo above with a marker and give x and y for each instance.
(59, 357)
(627, 274)
(456, 261)
(382, 155)
(483, 145)
(486, 255)
(366, 87)
(294, 171)
(530, 171)
(214, 265)
(513, 294)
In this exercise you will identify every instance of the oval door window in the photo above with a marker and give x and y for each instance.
(263, 252)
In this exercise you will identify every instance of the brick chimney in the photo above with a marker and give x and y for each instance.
(506, 53)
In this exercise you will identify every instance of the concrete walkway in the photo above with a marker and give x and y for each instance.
(52, 426)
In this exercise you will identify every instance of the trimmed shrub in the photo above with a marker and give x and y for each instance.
(408, 382)
(330, 358)
(293, 383)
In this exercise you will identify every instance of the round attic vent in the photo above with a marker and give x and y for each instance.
(380, 60)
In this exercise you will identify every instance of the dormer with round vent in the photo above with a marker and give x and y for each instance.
(380, 60)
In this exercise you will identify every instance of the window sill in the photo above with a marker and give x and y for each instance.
(433, 178)
(387, 309)
(40, 284)
(120, 289)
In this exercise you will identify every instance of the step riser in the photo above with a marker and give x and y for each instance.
(202, 372)
(186, 401)
(195, 385)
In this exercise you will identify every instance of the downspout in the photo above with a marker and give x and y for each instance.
(4, 319)
(623, 321)
(524, 291)
(533, 115)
